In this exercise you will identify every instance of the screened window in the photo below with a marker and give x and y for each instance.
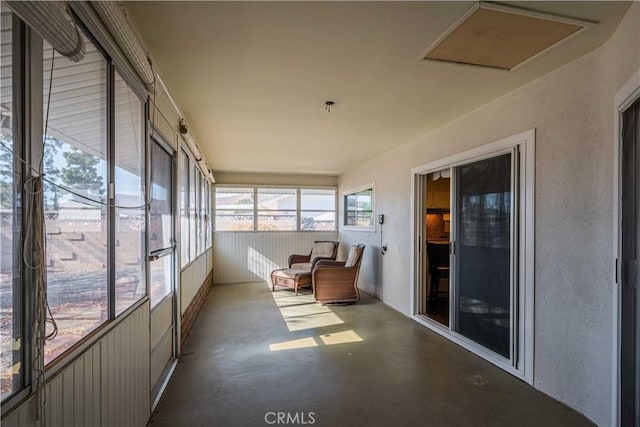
(277, 209)
(184, 208)
(195, 210)
(200, 209)
(358, 209)
(11, 346)
(75, 158)
(161, 224)
(317, 209)
(234, 209)
(193, 213)
(208, 215)
(129, 197)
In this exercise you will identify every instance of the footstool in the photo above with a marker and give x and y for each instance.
(290, 278)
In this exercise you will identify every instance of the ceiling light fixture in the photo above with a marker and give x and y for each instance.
(328, 105)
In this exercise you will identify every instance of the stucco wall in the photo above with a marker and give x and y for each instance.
(240, 178)
(572, 111)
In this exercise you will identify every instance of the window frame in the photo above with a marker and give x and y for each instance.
(353, 192)
(301, 211)
(296, 210)
(109, 209)
(298, 188)
(19, 118)
(254, 220)
(113, 231)
(27, 48)
(32, 52)
(196, 212)
(184, 212)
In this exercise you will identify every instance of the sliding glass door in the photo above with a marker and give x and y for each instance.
(483, 199)
(473, 227)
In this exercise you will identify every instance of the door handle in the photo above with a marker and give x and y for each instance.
(157, 254)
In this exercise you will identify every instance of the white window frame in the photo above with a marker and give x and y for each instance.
(526, 141)
(198, 208)
(255, 188)
(371, 186)
(335, 207)
(296, 210)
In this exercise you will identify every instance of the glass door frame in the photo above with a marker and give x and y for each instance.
(454, 260)
(522, 311)
(156, 137)
(628, 94)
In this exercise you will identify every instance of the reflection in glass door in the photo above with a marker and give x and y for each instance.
(483, 242)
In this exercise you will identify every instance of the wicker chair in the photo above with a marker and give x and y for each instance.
(321, 250)
(298, 274)
(337, 281)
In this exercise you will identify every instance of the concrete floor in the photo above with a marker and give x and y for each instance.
(363, 365)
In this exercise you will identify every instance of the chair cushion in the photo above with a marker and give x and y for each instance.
(354, 256)
(306, 266)
(289, 273)
(322, 249)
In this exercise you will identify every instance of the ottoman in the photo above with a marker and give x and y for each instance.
(290, 278)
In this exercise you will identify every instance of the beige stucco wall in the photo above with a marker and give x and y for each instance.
(572, 111)
(240, 178)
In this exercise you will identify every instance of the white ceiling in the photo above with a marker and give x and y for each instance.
(252, 77)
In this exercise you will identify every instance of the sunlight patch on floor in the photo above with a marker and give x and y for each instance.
(301, 312)
(340, 337)
(343, 337)
(294, 344)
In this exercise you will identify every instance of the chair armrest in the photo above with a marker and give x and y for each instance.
(298, 259)
(327, 262)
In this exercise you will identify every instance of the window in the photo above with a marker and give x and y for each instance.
(161, 224)
(200, 209)
(11, 344)
(195, 210)
(193, 213)
(277, 209)
(184, 208)
(75, 158)
(94, 232)
(129, 197)
(234, 209)
(208, 216)
(317, 209)
(94, 241)
(358, 209)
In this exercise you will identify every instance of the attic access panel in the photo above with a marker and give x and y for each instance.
(503, 37)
